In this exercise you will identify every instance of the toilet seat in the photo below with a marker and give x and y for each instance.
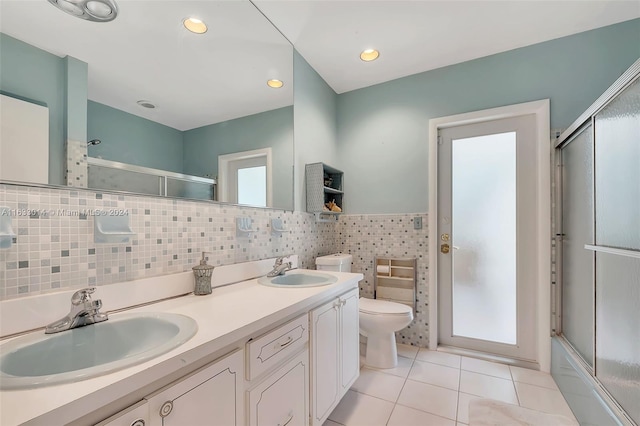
(383, 307)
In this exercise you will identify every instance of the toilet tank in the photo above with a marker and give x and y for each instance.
(338, 262)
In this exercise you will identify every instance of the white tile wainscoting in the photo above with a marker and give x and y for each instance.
(435, 388)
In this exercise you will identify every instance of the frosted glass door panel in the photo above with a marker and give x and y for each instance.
(484, 229)
(252, 186)
(617, 135)
(577, 227)
(618, 329)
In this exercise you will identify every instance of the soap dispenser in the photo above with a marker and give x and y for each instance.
(203, 274)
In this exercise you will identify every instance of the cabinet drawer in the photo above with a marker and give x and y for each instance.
(269, 349)
(283, 397)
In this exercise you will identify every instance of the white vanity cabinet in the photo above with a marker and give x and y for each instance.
(335, 353)
(212, 395)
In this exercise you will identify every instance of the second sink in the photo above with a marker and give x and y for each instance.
(299, 279)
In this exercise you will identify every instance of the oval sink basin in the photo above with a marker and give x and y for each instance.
(81, 353)
(299, 279)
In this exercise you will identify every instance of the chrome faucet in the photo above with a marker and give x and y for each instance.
(84, 311)
(280, 267)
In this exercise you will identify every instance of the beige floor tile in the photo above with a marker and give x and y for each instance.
(405, 416)
(486, 367)
(442, 358)
(402, 370)
(357, 409)
(407, 351)
(463, 407)
(532, 377)
(435, 374)
(380, 385)
(432, 399)
(488, 387)
(542, 399)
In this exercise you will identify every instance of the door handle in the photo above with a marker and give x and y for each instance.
(444, 248)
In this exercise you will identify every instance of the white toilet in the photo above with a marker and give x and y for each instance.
(379, 319)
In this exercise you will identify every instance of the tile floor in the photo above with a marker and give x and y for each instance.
(435, 388)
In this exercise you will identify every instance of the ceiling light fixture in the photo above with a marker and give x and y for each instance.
(146, 104)
(369, 55)
(91, 10)
(195, 25)
(276, 84)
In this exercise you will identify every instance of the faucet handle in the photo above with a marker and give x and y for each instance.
(83, 295)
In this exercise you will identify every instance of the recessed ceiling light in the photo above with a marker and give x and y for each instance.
(195, 25)
(276, 84)
(369, 55)
(146, 104)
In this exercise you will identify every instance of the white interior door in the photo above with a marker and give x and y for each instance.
(487, 233)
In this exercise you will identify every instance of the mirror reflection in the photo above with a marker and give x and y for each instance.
(142, 104)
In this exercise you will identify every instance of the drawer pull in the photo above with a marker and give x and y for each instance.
(138, 422)
(288, 342)
(287, 421)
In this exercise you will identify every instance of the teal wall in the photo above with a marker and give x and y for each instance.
(383, 129)
(316, 125)
(274, 129)
(34, 75)
(131, 139)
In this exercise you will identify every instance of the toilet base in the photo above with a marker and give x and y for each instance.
(381, 351)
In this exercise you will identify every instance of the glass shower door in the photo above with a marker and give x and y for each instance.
(617, 171)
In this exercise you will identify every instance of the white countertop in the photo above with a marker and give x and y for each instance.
(224, 318)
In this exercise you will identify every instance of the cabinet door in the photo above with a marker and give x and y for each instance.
(211, 396)
(349, 340)
(136, 415)
(283, 398)
(325, 333)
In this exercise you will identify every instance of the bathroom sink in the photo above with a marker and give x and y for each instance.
(124, 340)
(299, 279)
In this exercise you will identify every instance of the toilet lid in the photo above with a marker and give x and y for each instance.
(376, 306)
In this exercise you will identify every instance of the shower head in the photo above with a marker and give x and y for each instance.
(94, 142)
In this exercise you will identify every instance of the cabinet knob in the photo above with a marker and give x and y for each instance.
(138, 422)
(166, 409)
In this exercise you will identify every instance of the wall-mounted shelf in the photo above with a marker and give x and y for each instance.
(395, 279)
(324, 185)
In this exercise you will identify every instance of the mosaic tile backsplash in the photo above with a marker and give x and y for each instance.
(54, 249)
(369, 236)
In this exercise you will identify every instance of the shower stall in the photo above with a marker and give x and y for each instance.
(596, 351)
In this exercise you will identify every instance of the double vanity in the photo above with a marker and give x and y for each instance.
(266, 351)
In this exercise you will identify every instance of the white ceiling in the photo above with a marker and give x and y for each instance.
(420, 35)
(146, 53)
(198, 80)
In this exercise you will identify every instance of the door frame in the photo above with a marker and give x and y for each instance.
(543, 215)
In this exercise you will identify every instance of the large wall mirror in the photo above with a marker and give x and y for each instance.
(141, 104)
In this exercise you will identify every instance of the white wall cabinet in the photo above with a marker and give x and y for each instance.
(212, 395)
(283, 398)
(335, 353)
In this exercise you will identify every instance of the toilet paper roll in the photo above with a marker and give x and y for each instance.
(382, 269)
